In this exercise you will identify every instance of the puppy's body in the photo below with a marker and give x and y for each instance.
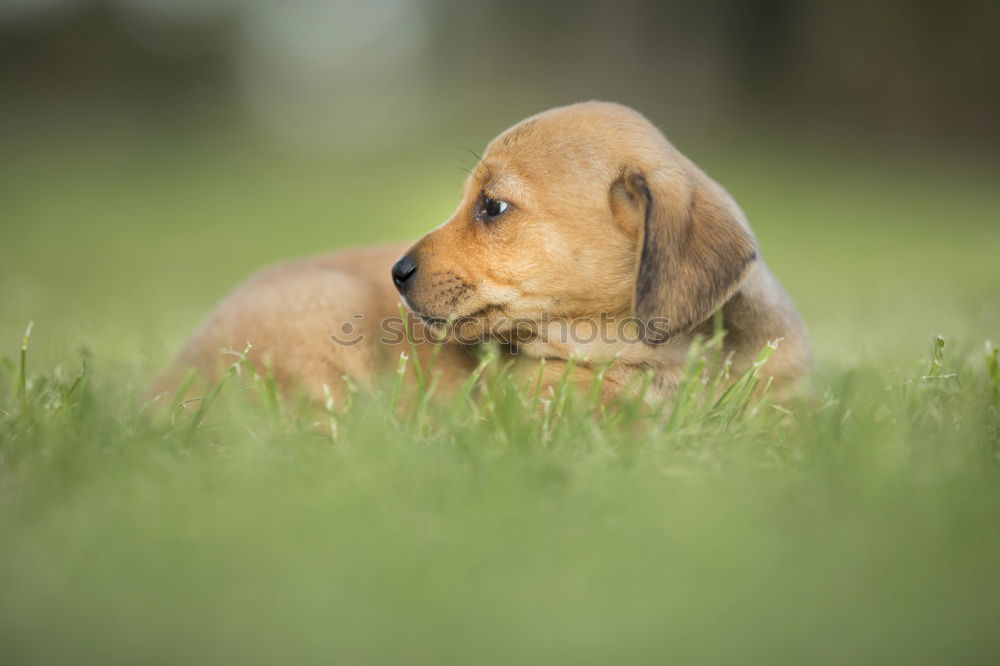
(313, 321)
(581, 216)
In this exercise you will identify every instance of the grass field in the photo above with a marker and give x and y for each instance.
(861, 527)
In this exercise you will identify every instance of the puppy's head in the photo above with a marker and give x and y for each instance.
(576, 212)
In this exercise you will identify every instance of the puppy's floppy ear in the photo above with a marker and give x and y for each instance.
(694, 249)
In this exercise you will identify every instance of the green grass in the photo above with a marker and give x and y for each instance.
(859, 527)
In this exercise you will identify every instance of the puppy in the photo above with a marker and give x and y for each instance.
(583, 233)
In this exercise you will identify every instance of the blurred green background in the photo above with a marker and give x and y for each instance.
(154, 153)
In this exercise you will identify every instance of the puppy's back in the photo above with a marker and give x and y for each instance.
(288, 313)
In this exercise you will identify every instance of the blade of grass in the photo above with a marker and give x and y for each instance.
(413, 347)
(22, 375)
(993, 368)
(199, 416)
(594, 394)
(78, 382)
(398, 382)
(561, 397)
(470, 383)
(685, 395)
(937, 358)
(741, 392)
(184, 386)
(265, 388)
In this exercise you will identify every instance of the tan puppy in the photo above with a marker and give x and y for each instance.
(582, 233)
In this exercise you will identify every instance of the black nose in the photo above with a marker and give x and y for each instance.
(402, 271)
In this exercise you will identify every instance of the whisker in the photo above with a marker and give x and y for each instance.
(480, 164)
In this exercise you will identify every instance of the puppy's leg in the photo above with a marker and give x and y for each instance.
(541, 381)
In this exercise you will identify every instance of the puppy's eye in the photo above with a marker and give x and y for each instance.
(493, 207)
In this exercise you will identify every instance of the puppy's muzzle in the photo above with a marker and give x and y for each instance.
(403, 272)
